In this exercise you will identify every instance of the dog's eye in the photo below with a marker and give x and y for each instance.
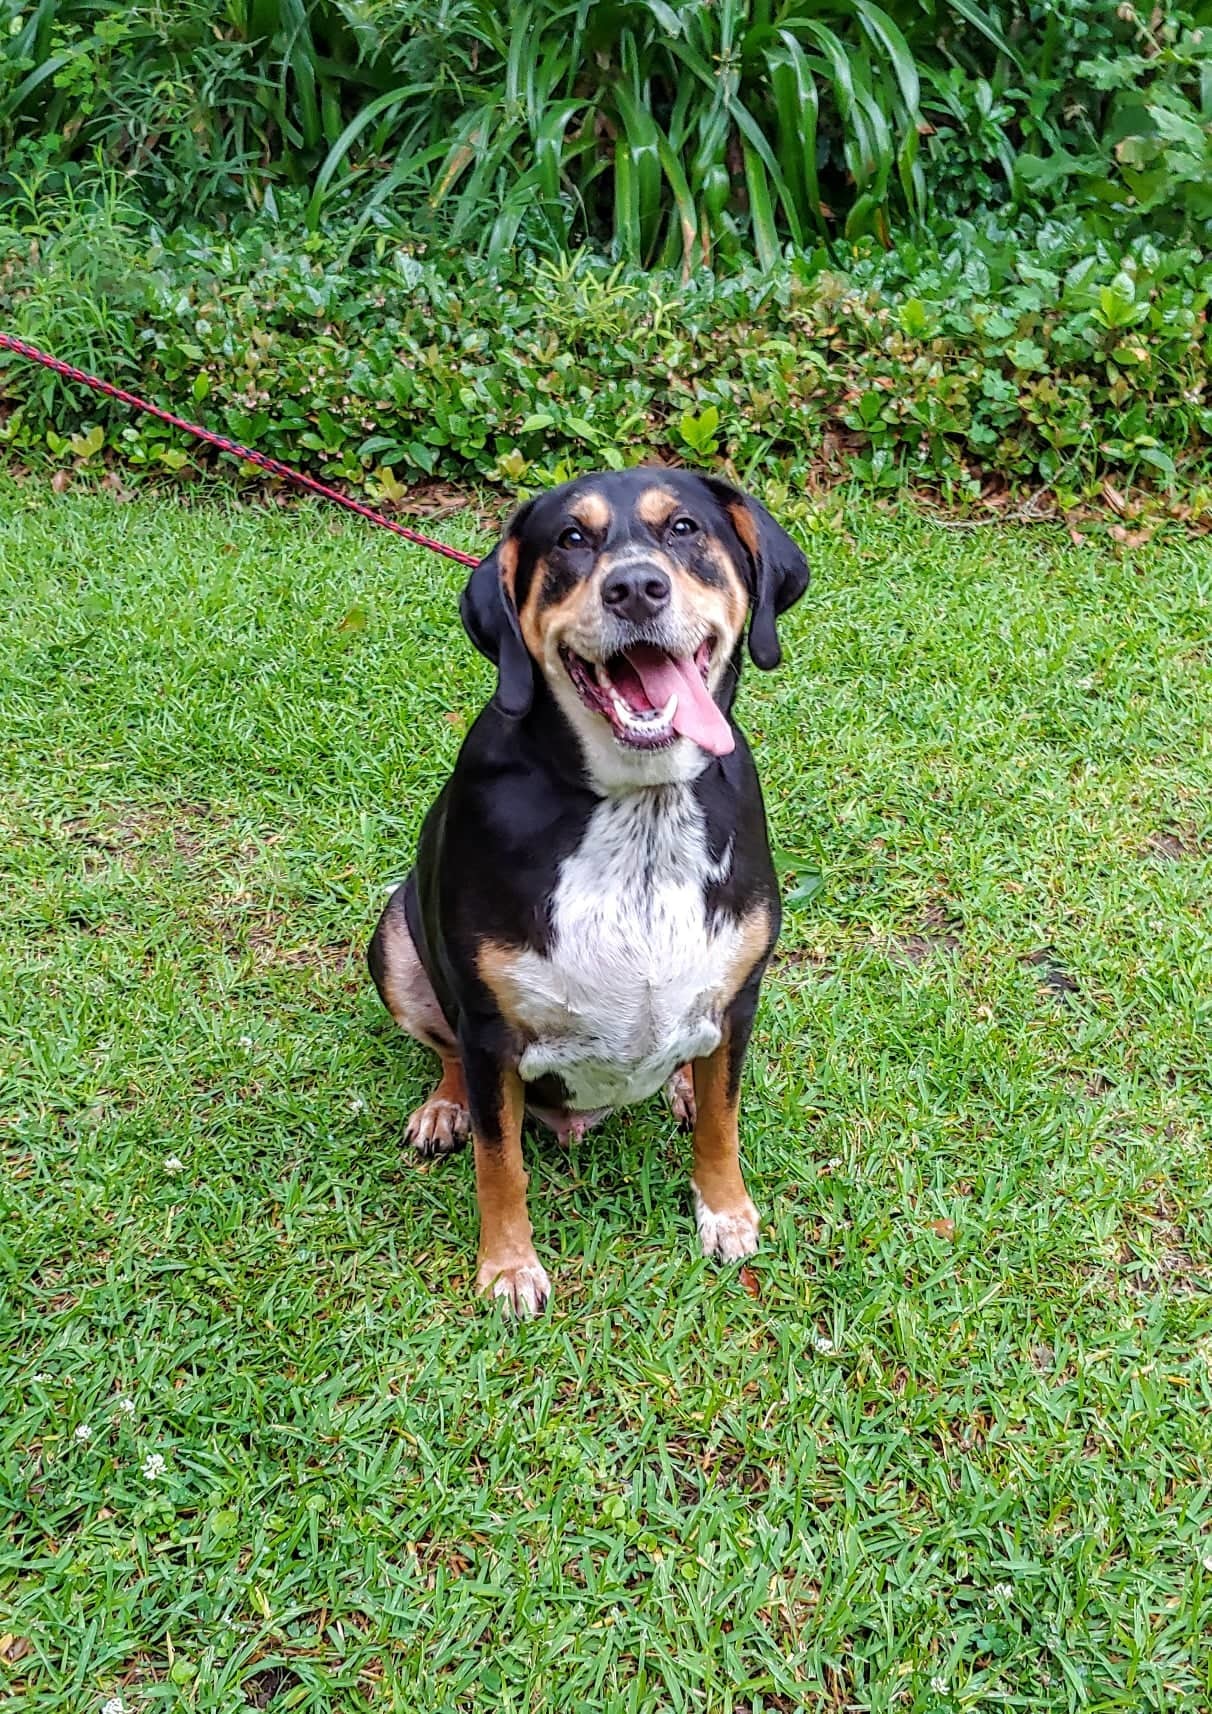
(573, 539)
(684, 527)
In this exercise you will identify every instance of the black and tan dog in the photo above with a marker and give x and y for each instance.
(593, 902)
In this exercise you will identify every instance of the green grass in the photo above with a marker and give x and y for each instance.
(947, 1446)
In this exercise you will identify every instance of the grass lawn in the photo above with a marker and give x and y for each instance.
(946, 1445)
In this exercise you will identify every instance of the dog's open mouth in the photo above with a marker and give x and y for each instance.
(651, 697)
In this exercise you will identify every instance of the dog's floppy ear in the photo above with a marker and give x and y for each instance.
(779, 571)
(491, 621)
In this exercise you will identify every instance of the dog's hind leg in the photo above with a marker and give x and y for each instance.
(679, 1092)
(441, 1124)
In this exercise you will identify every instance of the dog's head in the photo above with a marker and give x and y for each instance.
(629, 593)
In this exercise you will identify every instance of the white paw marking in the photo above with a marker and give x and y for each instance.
(521, 1287)
(679, 1092)
(438, 1127)
(732, 1235)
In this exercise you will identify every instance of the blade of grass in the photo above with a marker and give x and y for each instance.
(753, 137)
(683, 201)
(761, 209)
(549, 145)
(345, 142)
(885, 34)
(797, 109)
(643, 147)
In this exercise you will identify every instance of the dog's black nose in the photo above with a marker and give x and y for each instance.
(636, 592)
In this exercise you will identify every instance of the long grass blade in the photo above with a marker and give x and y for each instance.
(339, 152)
(683, 201)
(16, 99)
(797, 109)
(979, 17)
(643, 146)
(761, 209)
(885, 34)
(549, 146)
(754, 139)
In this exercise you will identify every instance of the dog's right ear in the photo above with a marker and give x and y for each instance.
(490, 619)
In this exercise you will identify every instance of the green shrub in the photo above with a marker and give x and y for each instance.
(702, 132)
(1046, 357)
(1151, 160)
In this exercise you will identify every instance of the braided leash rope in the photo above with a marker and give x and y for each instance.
(273, 465)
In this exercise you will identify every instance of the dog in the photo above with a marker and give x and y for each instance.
(593, 902)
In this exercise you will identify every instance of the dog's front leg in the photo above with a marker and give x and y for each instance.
(726, 1218)
(508, 1267)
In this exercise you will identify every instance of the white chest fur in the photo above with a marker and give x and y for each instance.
(636, 974)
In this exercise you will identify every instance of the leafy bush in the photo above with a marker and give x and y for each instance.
(672, 134)
(1048, 358)
(1152, 157)
(669, 127)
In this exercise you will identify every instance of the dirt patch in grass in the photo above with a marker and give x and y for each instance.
(1167, 1257)
(938, 936)
(262, 1689)
(806, 961)
(127, 831)
(1176, 845)
(1055, 981)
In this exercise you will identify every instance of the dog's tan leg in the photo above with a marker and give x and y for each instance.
(726, 1218)
(508, 1267)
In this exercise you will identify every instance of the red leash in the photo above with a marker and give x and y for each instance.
(273, 465)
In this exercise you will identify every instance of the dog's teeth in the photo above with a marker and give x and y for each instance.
(653, 719)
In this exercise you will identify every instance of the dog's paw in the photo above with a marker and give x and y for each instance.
(521, 1287)
(730, 1235)
(679, 1092)
(439, 1127)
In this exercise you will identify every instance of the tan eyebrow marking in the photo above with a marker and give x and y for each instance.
(656, 505)
(591, 511)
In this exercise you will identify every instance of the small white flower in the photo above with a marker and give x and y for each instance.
(127, 1407)
(939, 1685)
(357, 1105)
(173, 1163)
(1003, 1591)
(246, 1043)
(153, 1466)
(821, 1344)
(84, 1432)
(115, 1705)
(43, 1377)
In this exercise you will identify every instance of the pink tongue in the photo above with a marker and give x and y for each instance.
(696, 716)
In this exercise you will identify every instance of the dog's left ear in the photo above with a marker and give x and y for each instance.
(779, 570)
(490, 619)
